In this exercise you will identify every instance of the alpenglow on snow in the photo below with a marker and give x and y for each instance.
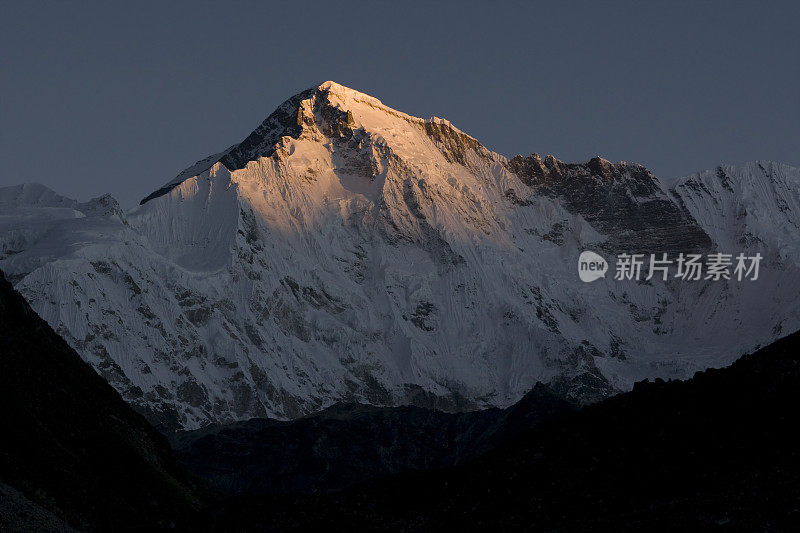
(345, 251)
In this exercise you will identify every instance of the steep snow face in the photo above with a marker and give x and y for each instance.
(756, 205)
(752, 208)
(348, 251)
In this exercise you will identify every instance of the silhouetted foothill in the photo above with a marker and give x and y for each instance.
(716, 452)
(348, 444)
(71, 450)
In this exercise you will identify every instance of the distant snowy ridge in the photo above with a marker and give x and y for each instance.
(348, 251)
(743, 205)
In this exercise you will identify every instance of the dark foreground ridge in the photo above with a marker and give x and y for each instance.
(714, 452)
(718, 451)
(71, 450)
(351, 443)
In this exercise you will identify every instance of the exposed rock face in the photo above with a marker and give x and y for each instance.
(287, 120)
(348, 252)
(623, 201)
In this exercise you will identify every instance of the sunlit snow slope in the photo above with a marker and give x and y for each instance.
(347, 251)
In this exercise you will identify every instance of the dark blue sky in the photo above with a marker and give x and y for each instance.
(119, 98)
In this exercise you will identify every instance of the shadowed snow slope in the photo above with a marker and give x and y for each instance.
(345, 251)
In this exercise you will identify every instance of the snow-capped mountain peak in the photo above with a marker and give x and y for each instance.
(348, 251)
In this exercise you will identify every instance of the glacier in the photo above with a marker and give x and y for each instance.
(346, 251)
